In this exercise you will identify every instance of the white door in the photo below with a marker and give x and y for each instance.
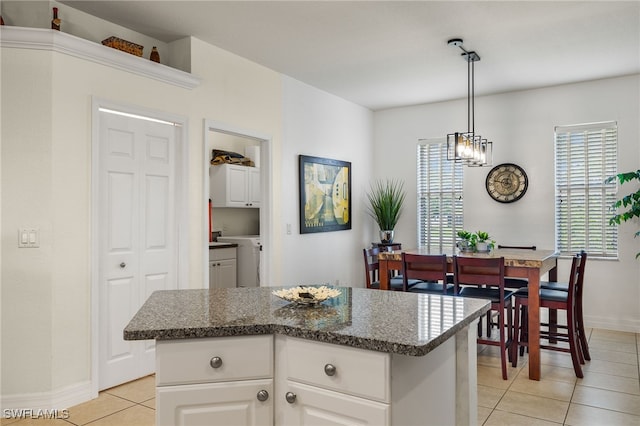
(137, 236)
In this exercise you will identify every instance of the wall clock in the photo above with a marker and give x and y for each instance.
(507, 183)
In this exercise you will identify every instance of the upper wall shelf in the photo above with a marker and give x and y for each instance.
(56, 41)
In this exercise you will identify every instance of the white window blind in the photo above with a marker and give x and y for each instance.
(586, 155)
(440, 203)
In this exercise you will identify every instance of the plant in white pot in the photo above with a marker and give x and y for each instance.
(385, 205)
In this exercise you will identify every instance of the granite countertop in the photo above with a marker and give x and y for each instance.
(385, 321)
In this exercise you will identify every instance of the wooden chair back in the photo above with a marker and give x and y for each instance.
(478, 271)
(425, 268)
(371, 265)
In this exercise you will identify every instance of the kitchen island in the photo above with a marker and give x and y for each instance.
(243, 356)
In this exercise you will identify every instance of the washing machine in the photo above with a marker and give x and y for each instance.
(248, 259)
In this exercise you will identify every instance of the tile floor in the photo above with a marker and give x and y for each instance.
(609, 394)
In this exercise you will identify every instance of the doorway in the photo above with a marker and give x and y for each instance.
(137, 201)
(222, 136)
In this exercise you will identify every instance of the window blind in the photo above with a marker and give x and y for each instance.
(585, 156)
(440, 203)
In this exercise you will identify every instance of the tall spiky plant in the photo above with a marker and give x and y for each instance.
(385, 202)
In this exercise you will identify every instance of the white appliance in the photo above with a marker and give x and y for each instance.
(248, 258)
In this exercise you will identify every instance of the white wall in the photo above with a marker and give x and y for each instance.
(521, 125)
(46, 183)
(322, 125)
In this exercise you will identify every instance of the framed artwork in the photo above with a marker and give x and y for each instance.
(325, 194)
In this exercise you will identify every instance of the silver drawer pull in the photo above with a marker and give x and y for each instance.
(330, 370)
(216, 362)
(263, 395)
(290, 397)
(122, 265)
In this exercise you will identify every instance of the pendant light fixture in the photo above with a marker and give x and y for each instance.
(468, 147)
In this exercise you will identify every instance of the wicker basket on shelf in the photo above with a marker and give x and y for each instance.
(124, 45)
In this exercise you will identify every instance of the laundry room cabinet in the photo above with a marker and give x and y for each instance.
(232, 185)
(223, 267)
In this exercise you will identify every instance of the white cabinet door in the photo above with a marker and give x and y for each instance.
(316, 406)
(237, 183)
(253, 191)
(227, 271)
(232, 185)
(225, 403)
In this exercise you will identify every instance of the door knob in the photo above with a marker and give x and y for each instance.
(216, 362)
(290, 397)
(262, 395)
(122, 265)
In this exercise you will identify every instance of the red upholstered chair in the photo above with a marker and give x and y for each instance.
(431, 270)
(554, 299)
(486, 276)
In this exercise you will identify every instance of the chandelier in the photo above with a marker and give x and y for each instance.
(469, 148)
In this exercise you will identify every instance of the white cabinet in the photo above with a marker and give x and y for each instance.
(330, 384)
(217, 381)
(231, 185)
(223, 267)
(248, 380)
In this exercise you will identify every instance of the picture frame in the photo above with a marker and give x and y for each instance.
(325, 194)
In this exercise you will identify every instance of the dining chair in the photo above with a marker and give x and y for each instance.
(564, 286)
(487, 274)
(430, 270)
(372, 271)
(552, 299)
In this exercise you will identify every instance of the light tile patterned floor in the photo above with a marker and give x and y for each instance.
(609, 394)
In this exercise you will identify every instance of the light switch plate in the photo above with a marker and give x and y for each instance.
(28, 238)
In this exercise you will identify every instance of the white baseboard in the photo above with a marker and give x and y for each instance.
(607, 323)
(56, 399)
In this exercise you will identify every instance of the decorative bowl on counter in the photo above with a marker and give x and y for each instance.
(307, 295)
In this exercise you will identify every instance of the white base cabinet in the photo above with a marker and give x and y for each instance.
(223, 268)
(215, 381)
(288, 381)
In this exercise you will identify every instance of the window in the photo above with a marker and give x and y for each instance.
(440, 204)
(586, 155)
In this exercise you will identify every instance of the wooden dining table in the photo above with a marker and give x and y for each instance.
(519, 263)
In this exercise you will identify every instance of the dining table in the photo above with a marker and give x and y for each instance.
(519, 263)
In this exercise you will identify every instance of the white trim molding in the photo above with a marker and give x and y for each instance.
(58, 399)
(56, 41)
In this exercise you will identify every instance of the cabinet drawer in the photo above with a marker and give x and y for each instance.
(357, 372)
(222, 253)
(190, 360)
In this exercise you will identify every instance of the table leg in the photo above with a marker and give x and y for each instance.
(383, 271)
(534, 323)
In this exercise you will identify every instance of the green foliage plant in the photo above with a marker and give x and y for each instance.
(385, 202)
(630, 201)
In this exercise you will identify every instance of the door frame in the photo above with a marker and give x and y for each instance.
(181, 203)
(265, 193)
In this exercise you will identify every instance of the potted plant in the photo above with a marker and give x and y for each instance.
(481, 241)
(385, 205)
(464, 242)
(631, 201)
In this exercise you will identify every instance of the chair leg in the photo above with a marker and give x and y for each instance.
(504, 347)
(516, 334)
(574, 345)
(581, 333)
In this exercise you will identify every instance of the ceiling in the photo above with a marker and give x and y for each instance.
(384, 54)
